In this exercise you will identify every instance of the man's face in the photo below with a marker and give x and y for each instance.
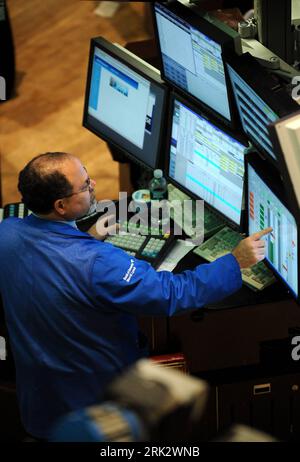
(78, 203)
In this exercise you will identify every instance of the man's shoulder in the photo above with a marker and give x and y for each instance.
(11, 231)
(10, 222)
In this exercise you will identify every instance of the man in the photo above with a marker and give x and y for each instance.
(70, 300)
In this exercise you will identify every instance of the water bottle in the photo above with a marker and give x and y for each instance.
(158, 188)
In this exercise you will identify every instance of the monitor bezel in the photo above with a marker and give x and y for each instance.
(251, 72)
(141, 67)
(284, 171)
(273, 180)
(195, 16)
(236, 135)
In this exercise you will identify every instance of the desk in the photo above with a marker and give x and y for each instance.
(231, 337)
(229, 333)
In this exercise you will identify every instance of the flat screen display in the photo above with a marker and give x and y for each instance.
(266, 209)
(206, 161)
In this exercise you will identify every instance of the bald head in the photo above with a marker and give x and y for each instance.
(49, 161)
(43, 180)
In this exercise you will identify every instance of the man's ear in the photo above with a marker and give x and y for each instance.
(59, 207)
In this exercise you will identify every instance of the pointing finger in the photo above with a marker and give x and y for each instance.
(259, 234)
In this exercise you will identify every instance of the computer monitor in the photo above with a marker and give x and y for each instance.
(260, 101)
(266, 206)
(191, 46)
(285, 135)
(205, 160)
(125, 102)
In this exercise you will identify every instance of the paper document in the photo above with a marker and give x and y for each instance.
(180, 249)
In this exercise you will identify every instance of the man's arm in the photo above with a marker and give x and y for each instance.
(127, 284)
(130, 285)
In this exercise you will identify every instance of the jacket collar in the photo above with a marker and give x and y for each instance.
(59, 227)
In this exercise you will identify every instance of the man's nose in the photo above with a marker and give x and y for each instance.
(92, 184)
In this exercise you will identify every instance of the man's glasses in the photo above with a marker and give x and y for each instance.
(86, 187)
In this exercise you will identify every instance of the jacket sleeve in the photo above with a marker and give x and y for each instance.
(121, 282)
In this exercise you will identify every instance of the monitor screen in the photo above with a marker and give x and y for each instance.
(285, 134)
(125, 102)
(206, 161)
(259, 101)
(191, 53)
(266, 209)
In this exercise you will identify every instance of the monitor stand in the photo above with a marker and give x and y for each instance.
(269, 60)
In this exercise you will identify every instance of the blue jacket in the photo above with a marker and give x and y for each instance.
(71, 302)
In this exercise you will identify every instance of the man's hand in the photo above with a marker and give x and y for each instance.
(252, 249)
(104, 225)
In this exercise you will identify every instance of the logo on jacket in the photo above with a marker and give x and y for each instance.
(130, 272)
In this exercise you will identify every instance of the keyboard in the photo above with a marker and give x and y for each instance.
(138, 242)
(258, 277)
(16, 209)
(212, 221)
(218, 245)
